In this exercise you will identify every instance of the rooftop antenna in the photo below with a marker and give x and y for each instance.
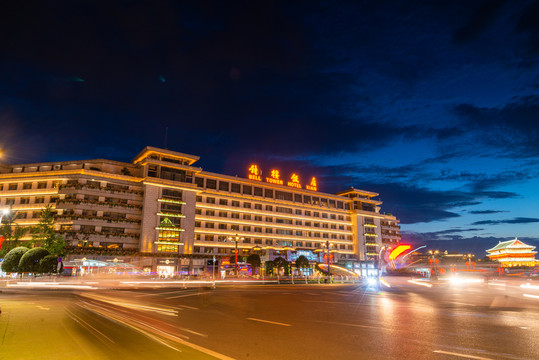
(166, 137)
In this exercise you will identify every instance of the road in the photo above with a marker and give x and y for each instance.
(406, 321)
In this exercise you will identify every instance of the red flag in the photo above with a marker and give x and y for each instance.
(1, 241)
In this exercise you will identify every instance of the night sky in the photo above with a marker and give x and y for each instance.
(433, 104)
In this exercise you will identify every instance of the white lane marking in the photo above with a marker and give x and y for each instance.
(269, 322)
(345, 324)
(461, 355)
(43, 308)
(186, 295)
(188, 307)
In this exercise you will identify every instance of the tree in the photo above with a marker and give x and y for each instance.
(12, 259)
(302, 262)
(254, 261)
(281, 263)
(44, 234)
(49, 264)
(30, 260)
(12, 232)
(269, 267)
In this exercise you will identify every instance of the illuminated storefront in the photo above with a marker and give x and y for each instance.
(513, 253)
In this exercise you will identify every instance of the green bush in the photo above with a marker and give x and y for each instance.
(12, 259)
(49, 264)
(30, 260)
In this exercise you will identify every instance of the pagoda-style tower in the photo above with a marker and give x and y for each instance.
(513, 253)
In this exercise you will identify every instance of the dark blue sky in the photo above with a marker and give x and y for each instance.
(434, 104)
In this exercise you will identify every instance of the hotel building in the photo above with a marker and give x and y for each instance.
(161, 203)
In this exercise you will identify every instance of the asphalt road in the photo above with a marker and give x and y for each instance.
(405, 321)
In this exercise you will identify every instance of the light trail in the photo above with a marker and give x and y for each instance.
(529, 286)
(269, 322)
(461, 355)
(420, 283)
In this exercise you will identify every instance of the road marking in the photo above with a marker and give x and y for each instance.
(43, 308)
(186, 295)
(269, 322)
(461, 355)
(354, 325)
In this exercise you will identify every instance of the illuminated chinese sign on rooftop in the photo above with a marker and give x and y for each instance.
(254, 173)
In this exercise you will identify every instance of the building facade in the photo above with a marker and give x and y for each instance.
(161, 203)
(513, 253)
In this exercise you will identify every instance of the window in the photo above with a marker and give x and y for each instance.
(223, 214)
(198, 211)
(307, 199)
(269, 231)
(208, 237)
(258, 206)
(332, 204)
(223, 202)
(316, 214)
(235, 203)
(210, 200)
(246, 228)
(223, 185)
(298, 212)
(324, 225)
(25, 200)
(284, 232)
(235, 227)
(258, 241)
(258, 218)
(39, 200)
(247, 241)
(235, 188)
(297, 198)
(14, 186)
(22, 215)
(281, 195)
(211, 184)
(247, 205)
(246, 217)
(268, 193)
(298, 222)
(269, 219)
(283, 210)
(269, 242)
(324, 202)
(248, 190)
(324, 215)
(27, 186)
(210, 225)
(258, 229)
(269, 208)
(10, 201)
(258, 191)
(173, 174)
(199, 181)
(316, 201)
(235, 215)
(340, 205)
(172, 194)
(284, 221)
(222, 226)
(307, 213)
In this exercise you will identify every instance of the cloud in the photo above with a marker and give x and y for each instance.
(517, 220)
(511, 128)
(486, 212)
(482, 18)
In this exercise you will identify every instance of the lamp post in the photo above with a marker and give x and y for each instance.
(236, 239)
(328, 245)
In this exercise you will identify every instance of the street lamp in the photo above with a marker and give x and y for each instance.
(327, 245)
(236, 239)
